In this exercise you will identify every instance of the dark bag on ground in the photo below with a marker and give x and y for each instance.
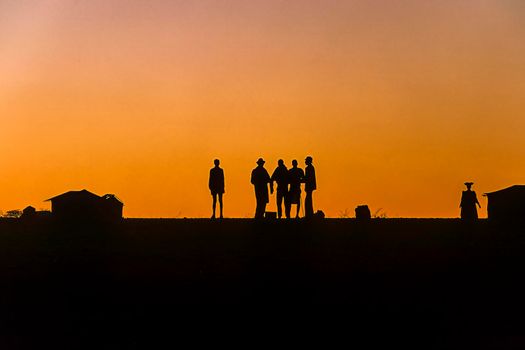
(362, 212)
(270, 215)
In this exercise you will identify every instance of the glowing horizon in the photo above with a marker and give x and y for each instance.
(398, 103)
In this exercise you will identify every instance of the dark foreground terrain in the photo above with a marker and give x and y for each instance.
(110, 286)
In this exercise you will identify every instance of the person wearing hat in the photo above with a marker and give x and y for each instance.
(310, 185)
(216, 186)
(260, 180)
(468, 203)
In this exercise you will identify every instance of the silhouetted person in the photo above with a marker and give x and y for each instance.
(468, 203)
(260, 180)
(280, 176)
(216, 186)
(295, 178)
(310, 185)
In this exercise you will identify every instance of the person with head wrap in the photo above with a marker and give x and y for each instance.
(280, 176)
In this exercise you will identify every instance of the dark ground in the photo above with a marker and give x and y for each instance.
(426, 281)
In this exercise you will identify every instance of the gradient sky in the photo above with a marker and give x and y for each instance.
(398, 102)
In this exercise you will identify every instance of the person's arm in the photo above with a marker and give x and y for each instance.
(269, 180)
(273, 178)
(209, 181)
(479, 205)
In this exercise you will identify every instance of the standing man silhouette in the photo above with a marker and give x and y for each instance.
(310, 185)
(260, 180)
(216, 186)
(468, 203)
(280, 176)
(295, 178)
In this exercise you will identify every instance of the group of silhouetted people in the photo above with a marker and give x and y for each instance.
(288, 187)
(289, 191)
(288, 182)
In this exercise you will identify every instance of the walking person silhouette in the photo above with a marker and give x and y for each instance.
(260, 180)
(216, 186)
(280, 176)
(295, 178)
(310, 185)
(468, 203)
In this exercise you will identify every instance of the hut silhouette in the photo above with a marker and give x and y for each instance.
(85, 205)
(507, 204)
(28, 212)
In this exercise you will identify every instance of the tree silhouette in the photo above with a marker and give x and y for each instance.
(15, 213)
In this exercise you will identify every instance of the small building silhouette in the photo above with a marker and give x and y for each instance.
(28, 212)
(112, 206)
(82, 205)
(507, 204)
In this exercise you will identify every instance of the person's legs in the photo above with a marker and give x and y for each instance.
(279, 204)
(298, 208)
(214, 195)
(220, 204)
(259, 211)
(308, 204)
(263, 209)
(287, 205)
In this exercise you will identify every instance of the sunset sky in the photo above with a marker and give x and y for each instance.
(398, 102)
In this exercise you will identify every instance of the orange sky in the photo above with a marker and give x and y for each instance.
(398, 102)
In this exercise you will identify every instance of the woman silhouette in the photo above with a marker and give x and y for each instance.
(468, 203)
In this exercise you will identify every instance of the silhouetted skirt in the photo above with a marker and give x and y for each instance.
(294, 196)
(469, 212)
(468, 205)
